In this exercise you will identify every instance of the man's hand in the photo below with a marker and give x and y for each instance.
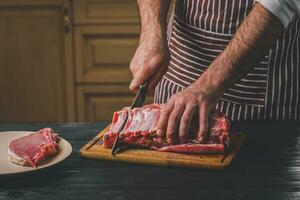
(152, 57)
(150, 62)
(177, 116)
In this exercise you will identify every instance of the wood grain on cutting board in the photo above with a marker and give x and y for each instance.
(144, 156)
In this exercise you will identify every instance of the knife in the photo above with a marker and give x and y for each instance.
(137, 102)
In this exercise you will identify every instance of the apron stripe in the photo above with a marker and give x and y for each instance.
(196, 11)
(238, 21)
(224, 17)
(297, 68)
(286, 75)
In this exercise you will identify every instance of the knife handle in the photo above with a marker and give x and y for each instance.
(144, 88)
(144, 85)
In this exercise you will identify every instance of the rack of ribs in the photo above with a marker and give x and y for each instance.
(141, 128)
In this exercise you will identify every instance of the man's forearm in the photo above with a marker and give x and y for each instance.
(256, 35)
(153, 14)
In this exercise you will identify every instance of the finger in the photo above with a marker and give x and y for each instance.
(142, 75)
(157, 77)
(185, 122)
(163, 119)
(203, 123)
(173, 123)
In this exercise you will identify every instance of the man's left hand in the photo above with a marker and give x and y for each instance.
(177, 115)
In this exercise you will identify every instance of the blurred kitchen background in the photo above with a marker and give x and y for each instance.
(65, 60)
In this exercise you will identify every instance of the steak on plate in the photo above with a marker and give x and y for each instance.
(141, 127)
(30, 150)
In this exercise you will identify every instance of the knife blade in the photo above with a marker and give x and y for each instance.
(137, 102)
(117, 140)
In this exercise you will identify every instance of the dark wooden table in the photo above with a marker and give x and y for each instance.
(268, 167)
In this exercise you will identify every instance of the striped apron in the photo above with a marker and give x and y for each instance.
(199, 31)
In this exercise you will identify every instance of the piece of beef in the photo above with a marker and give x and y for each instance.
(30, 150)
(141, 127)
(194, 148)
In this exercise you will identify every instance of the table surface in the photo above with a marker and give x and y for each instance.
(268, 167)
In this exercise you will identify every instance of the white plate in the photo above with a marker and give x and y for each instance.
(7, 167)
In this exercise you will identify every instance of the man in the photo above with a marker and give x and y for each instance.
(240, 57)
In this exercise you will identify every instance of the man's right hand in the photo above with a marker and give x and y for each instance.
(151, 59)
(150, 62)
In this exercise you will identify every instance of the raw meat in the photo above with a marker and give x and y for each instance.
(30, 150)
(140, 131)
(194, 148)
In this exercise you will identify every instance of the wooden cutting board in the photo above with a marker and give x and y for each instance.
(212, 161)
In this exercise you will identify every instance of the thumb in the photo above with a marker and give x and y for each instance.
(203, 123)
(139, 79)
